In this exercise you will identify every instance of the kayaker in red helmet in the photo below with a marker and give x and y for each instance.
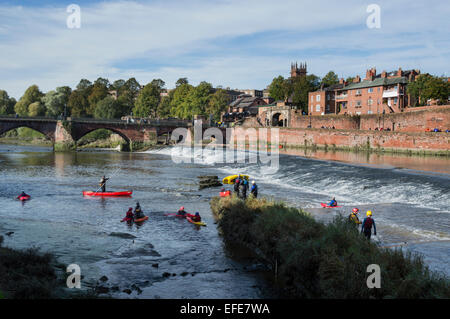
(23, 194)
(129, 215)
(181, 211)
(196, 218)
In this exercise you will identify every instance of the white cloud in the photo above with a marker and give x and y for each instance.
(183, 39)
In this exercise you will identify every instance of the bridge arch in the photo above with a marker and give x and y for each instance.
(46, 129)
(115, 131)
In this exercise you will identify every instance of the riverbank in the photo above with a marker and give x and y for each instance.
(311, 259)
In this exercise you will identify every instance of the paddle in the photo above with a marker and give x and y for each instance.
(115, 172)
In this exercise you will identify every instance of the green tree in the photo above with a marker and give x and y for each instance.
(98, 93)
(217, 104)
(330, 79)
(279, 88)
(163, 110)
(128, 94)
(179, 99)
(6, 103)
(84, 85)
(181, 81)
(148, 100)
(301, 87)
(108, 108)
(55, 101)
(36, 109)
(31, 95)
(427, 87)
(78, 104)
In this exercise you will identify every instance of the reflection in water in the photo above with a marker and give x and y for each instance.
(439, 164)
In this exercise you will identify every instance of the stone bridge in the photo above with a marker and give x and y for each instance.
(65, 134)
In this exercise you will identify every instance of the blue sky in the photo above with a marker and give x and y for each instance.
(233, 43)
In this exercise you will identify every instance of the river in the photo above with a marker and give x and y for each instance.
(410, 206)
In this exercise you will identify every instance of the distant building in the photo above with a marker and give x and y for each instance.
(377, 93)
(243, 106)
(298, 71)
(253, 93)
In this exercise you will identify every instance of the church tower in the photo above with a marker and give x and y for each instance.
(298, 70)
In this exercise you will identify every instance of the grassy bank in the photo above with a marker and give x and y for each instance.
(24, 136)
(315, 260)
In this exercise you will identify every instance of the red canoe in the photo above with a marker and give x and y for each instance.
(111, 194)
(326, 206)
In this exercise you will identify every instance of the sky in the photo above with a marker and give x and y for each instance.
(240, 44)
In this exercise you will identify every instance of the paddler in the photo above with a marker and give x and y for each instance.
(254, 189)
(181, 211)
(129, 215)
(103, 183)
(196, 218)
(244, 188)
(138, 212)
(353, 217)
(236, 186)
(23, 194)
(333, 202)
(367, 224)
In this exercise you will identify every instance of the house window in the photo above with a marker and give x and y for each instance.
(318, 108)
(358, 104)
(312, 98)
(370, 90)
(328, 97)
(318, 98)
(395, 100)
(358, 92)
(369, 102)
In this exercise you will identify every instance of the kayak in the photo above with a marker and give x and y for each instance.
(128, 220)
(230, 179)
(141, 219)
(195, 223)
(24, 198)
(225, 194)
(106, 194)
(326, 206)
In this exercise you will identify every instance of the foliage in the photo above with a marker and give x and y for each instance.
(278, 89)
(148, 100)
(427, 87)
(218, 103)
(181, 81)
(330, 79)
(31, 95)
(78, 104)
(316, 260)
(6, 103)
(98, 93)
(55, 101)
(108, 108)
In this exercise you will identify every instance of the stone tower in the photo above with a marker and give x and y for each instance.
(298, 71)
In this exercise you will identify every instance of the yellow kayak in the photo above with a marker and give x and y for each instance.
(230, 179)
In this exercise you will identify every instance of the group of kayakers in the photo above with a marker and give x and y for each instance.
(241, 187)
(196, 217)
(130, 216)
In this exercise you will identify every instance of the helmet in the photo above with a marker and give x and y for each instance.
(237, 180)
(369, 213)
(355, 210)
(197, 214)
(182, 208)
(131, 208)
(253, 182)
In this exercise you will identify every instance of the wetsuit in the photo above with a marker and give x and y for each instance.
(236, 187)
(181, 212)
(254, 190)
(354, 218)
(332, 203)
(244, 185)
(138, 212)
(366, 228)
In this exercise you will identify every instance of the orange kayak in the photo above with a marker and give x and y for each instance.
(141, 219)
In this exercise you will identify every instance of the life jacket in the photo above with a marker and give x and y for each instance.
(225, 194)
(196, 218)
(368, 223)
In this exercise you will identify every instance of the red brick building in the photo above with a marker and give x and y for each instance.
(375, 94)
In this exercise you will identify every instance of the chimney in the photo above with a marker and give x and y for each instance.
(399, 72)
(384, 74)
(357, 79)
(341, 81)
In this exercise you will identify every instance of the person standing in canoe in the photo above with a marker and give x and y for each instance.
(23, 194)
(196, 218)
(333, 202)
(138, 212)
(129, 216)
(353, 217)
(367, 224)
(103, 183)
(254, 189)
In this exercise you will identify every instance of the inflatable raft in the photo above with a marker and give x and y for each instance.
(230, 179)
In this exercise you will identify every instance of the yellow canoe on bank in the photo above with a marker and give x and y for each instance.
(230, 179)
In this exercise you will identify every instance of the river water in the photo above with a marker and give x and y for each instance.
(409, 199)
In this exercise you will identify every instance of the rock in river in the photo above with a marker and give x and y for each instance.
(123, 235)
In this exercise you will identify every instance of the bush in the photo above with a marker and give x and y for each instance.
(316, 260)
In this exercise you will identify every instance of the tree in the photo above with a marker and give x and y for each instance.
(217, 104)
(117, 85)
(84, 85)
(128, 93)
(108, 108)
(148, 100)
(36, 109)
(98, 93)
(77, 104)
(427, 87)
(181, 81)
(55, 101)
(31, 95)
(102, 82)
(301, 87)
(163, 110)
(178, 100)
(330, 79)
(349, 79)
(6, 103)
(278, 89)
